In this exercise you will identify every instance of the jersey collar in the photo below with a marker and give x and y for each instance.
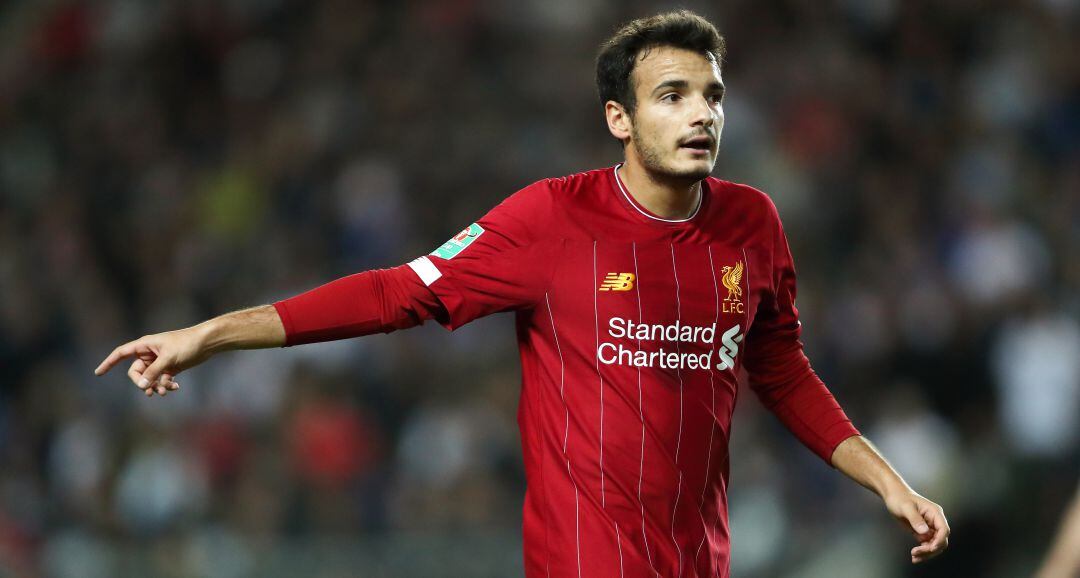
(649, 216)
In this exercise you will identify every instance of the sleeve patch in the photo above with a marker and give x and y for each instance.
(459, 242)
(427, 270)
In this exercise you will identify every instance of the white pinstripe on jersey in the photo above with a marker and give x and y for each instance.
(641, 413)
(596, 327)
(562, 389)
(712, 406)
(746, 279)
(678, 440)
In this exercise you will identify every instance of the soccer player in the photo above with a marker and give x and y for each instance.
(640, 291)
(1063, 559)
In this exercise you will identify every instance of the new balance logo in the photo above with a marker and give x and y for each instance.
(618, 282)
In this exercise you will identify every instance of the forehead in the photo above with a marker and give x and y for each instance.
(665, 63)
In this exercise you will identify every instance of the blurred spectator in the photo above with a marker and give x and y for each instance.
(1036, 362)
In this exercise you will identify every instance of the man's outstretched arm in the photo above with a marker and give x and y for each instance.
(159, 357)
(859, 460)
(380, 300)
(492, 265)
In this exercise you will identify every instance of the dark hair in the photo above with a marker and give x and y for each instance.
(618, 55)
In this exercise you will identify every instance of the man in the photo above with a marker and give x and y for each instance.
(1063, 559)
(640, 291)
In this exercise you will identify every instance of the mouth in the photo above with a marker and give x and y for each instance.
(698, 145)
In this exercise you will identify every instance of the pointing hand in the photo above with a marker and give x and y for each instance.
(159, 358)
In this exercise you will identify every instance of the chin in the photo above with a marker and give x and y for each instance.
(694, 171)
(678, 169)
(685, 174)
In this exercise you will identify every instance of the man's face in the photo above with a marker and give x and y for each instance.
(675, 127)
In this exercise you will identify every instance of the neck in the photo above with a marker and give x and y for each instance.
(665, 198)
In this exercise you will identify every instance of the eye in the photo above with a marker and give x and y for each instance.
(670, 97)
(717, 98)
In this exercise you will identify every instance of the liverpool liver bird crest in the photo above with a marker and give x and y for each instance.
(733, 281)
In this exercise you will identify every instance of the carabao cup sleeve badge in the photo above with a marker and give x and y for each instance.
(459, 242)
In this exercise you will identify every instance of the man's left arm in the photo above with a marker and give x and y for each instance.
(859, 460)
(781, 376)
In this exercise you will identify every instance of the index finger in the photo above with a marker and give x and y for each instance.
(117, 355)
(942, 531)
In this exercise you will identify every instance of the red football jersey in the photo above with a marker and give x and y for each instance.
(632, 329)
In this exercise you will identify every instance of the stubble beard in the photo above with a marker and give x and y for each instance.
(652, 160)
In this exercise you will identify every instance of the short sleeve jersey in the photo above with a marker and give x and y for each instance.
(632, 329)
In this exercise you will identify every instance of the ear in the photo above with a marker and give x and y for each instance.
(619, 122)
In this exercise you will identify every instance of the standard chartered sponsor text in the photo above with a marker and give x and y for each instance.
(622, 353)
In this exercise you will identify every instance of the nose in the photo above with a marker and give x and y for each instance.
(702, 113)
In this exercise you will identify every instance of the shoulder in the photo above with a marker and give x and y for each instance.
(533, 210)
(539, 199)
(579, 180)
(574, 186)
(749, 202)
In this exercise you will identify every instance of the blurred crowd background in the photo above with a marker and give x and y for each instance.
(165, 162)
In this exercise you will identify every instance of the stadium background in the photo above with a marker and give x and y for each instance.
(165, 162)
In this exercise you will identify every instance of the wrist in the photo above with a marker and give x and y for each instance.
(210, 335)
(891, 488)
(857, 458)
(253, 328)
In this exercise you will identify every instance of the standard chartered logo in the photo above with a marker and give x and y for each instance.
(729, 348)
(619, 354)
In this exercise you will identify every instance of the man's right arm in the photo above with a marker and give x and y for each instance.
(160, 357)
(380, 300)
(493, 265)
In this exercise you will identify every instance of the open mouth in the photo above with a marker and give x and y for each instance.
(698, 144)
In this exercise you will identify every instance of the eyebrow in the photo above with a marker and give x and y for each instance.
(681, 84)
